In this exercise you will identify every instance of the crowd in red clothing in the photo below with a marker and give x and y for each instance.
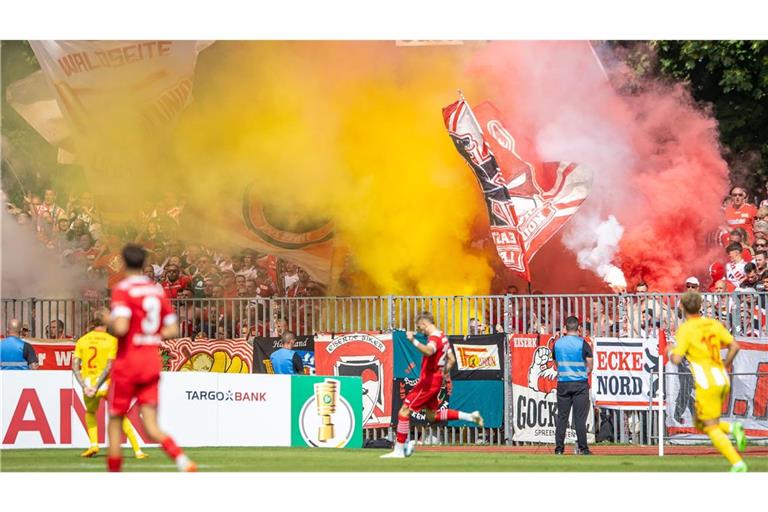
(77, 233)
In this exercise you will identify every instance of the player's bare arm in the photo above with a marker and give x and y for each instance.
(76, 371)
(449, 363)
(170, 330)
(119, 326)
(733, 349)
(428, 349)
(104, 375)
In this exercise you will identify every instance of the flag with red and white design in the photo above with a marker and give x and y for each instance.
(528, 200)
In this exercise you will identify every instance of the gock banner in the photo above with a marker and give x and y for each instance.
(365, 355)
(534, 391)
(326, 412)
(747, 401)
(625, 372)
(53, 354)
(218, 356)
(263, 347)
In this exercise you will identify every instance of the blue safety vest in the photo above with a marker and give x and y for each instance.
(12, 354)
(282, 361)
(569, 354)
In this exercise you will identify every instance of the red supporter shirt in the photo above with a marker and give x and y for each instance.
(432, 366)
(741, 218)
(172, 289)
(149, 309)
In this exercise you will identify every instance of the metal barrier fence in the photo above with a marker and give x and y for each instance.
(623, 315)
(601, 315)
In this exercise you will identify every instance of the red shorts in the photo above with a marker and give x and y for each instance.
(424, 396)
(127, 385)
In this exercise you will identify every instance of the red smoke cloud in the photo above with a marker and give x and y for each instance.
(655, 156)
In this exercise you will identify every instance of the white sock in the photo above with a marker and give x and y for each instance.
(182, 461)
(465, 416)
(739, 464)
(399, 447)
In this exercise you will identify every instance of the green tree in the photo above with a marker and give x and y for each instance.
(732, 77)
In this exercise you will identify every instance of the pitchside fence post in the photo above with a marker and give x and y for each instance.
(508, 373)
(661, 405)
(390, 312)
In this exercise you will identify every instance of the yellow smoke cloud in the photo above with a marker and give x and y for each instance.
(350, 131)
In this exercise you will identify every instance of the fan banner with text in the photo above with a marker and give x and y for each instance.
(528, 201)
(534, 391)
(368, 355)
(747, 401)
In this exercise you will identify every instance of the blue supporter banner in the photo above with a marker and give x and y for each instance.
(486, 396)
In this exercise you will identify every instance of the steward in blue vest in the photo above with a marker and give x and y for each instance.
(285, 360)
(15, 353)
(573, 359)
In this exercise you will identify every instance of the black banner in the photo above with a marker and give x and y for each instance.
(264, 346)
(401, 388)
(479, 357)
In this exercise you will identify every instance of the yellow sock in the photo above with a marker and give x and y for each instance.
(131, 435)
(722, 443)
(93, 432)
(725, 427)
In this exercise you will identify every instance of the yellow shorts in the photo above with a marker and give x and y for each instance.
(709, 402)
(92, 403)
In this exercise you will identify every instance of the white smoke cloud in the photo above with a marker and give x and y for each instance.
(29, 269)
(595, 243)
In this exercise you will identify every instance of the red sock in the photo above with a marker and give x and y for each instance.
(170, 448)
(447, 415)
(114, 463)
(403, 425)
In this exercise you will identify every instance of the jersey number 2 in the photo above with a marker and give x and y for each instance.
(151, 321)
(443, 356)
(93, 356)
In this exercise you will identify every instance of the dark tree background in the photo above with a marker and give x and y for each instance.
(730, 78)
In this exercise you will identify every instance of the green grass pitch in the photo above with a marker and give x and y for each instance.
(306, 459)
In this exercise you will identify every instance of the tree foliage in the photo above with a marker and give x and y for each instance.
(732, 77)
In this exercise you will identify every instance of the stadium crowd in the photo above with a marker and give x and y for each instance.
(80, 237)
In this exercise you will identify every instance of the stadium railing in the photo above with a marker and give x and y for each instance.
(601, 315)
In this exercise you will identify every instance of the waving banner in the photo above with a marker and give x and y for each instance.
(747, 401)
(527, 202)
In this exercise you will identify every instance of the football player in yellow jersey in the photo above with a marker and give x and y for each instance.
(699, 340)
(91, 364)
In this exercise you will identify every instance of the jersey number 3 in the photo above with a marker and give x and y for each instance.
(151, 321)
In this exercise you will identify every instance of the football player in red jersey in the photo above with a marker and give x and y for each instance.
(437, 360)
(141, 317)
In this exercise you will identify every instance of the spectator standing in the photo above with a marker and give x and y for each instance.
(751, 280)
(15, 353)
(174, 282)
(740, 213)
(55, 330)
(573, 360)
(48, 212)
(285, 360)
(291, 276)
(149, 271)
(734, 269)
(738, 236)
